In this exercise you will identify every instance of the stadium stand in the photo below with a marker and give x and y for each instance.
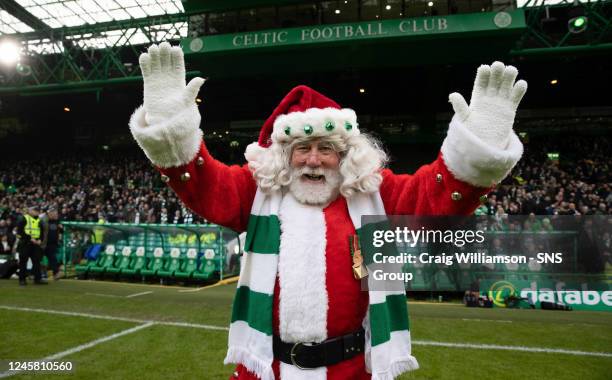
(578, 182)
(573, 180)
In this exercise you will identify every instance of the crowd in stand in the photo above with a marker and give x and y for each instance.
(126, 188)
(108, 188)
(120, 188)
(577, 182)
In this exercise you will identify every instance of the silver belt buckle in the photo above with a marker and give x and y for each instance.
(292, 355)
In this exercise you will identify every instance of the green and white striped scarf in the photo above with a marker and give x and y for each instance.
(388, 343)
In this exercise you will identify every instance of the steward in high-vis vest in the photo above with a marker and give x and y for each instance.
(31, 235)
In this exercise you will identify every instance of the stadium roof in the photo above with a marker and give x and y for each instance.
(22, 16)
(10, 24)
(122, 21)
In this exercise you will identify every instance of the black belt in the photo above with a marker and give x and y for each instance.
(326, 353)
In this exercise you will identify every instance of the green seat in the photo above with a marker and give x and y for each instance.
(123, 262)
(418, 279)
(443, 280)
(536, 271)
(85, 265)
(137, 263)
(106, 261)
(172, 265)
(510, 270)
(465, 276)
(209, 266)
(155, 264)
(190, 265)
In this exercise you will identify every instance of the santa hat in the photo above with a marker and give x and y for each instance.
(304, 112)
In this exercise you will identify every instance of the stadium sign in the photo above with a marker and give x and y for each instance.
(421, 27)
(539, 291)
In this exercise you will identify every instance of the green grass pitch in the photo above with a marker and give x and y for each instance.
(183, 343)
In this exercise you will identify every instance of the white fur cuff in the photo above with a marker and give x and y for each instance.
(315, 122)
(472, 160)
(173, 143)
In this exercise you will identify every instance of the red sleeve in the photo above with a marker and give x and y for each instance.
(221, 194)
(432, 190)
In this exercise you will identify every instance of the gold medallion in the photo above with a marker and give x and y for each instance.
(359, 269)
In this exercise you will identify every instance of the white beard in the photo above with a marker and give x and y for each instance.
(313, 193)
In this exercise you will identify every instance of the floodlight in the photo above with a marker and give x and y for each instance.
(9, 52)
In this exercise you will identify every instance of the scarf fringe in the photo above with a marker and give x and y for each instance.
(397, 368)
(260, 367)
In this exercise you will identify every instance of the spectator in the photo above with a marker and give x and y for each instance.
(51, 240)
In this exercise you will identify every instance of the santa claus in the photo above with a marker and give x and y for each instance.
(299, 312)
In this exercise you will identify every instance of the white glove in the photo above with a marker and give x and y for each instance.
(493, 105)
(165, 93)
(167, 126)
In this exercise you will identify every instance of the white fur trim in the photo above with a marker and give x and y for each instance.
(316, 118)
(303, 301)
(291, 372)
(254, 154)
(472, 160)
(173, 143)
(241, 335)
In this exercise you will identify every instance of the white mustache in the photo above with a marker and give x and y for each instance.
(310, 171)
(315, 193)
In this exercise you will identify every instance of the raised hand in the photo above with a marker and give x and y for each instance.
(493, 105)
(165, 92)
(167, 126)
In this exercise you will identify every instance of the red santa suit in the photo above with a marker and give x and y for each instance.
(333, 303)
(224, 194)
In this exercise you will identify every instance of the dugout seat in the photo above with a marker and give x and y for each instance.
(155, 264)
(106, 261)
(510, 270)
(190, 264)
(123, 262)
(418, 279)
(443, 280)
(137, 263)
(172, 265)
(87, 263)
(208, 266)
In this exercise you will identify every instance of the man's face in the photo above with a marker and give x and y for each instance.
(315, 175)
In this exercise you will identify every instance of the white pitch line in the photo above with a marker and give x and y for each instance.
(104, 295)
(194, 325)
(74, 314)
(112, 318)
(82, 347)
(512, 348)
(138, 294)
(116, 296)
(415, 342)
(486, 320)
